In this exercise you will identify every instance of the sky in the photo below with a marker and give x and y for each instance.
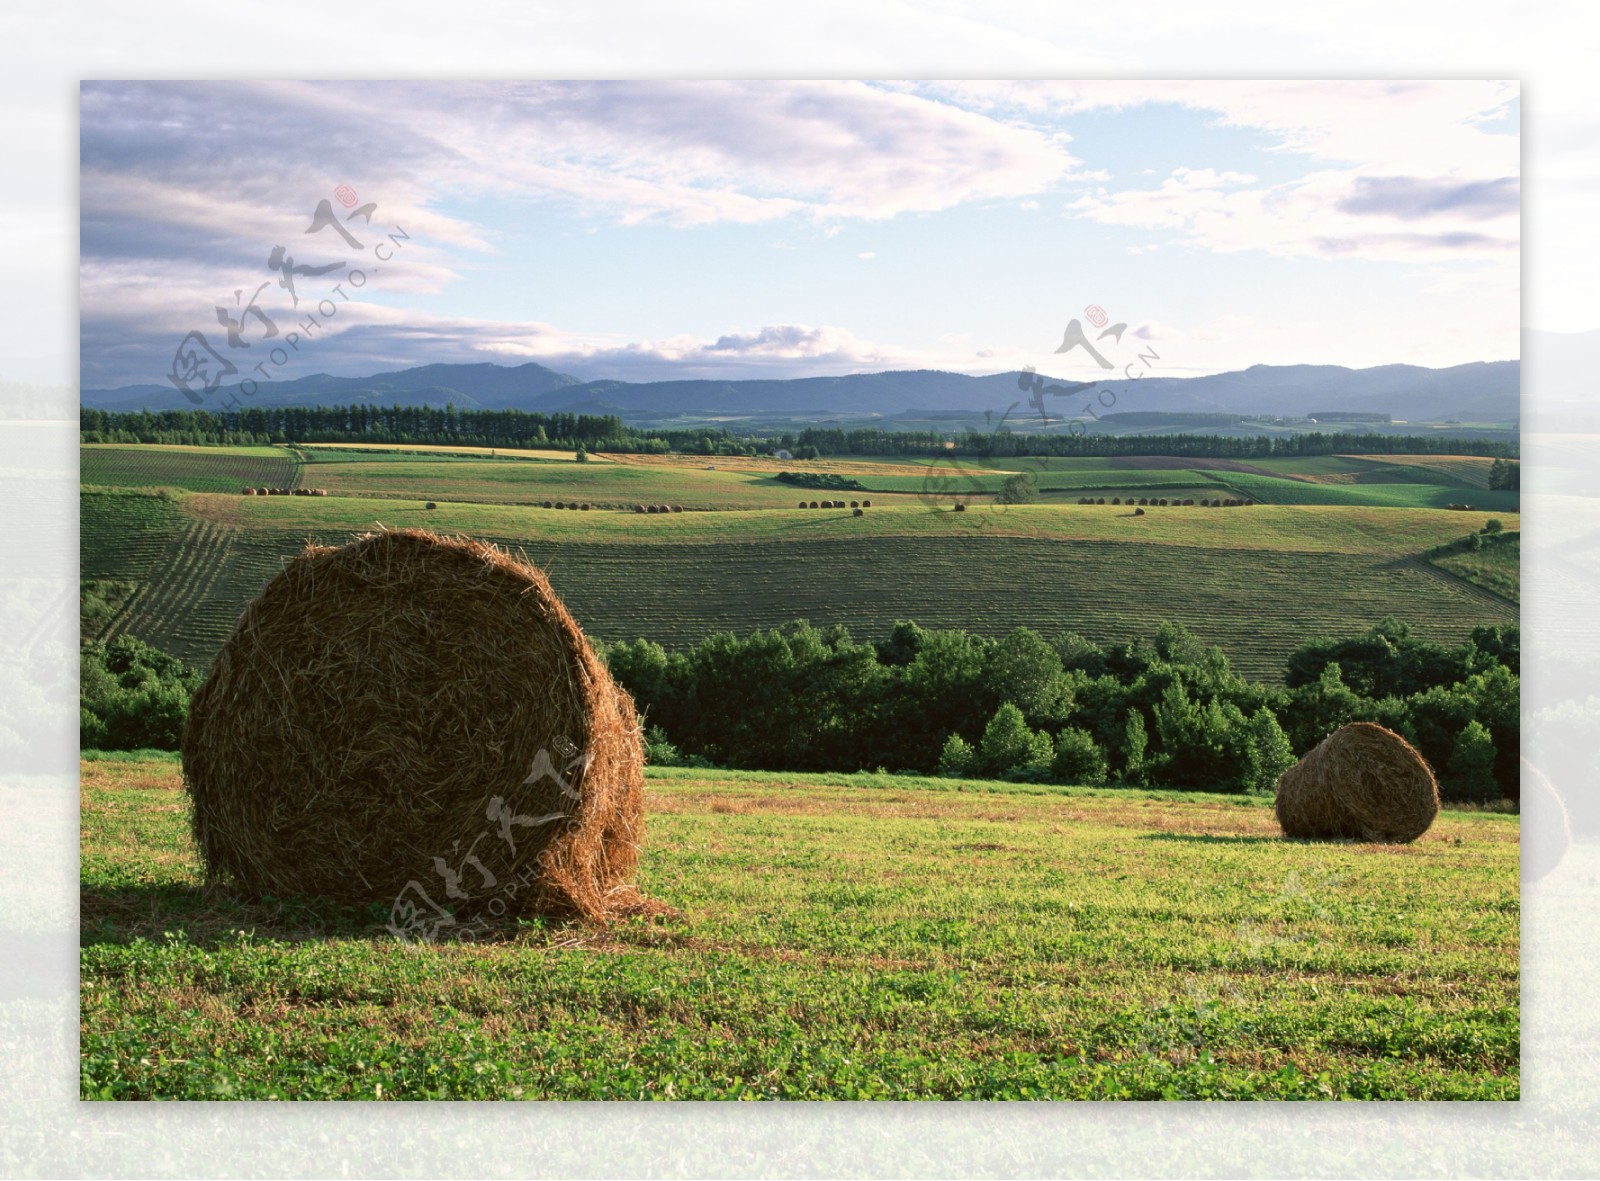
(734, 229)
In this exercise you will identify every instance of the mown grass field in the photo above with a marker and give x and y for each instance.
(1258, 581)
(194, 469)
(1385, 494)
(533, 480)
(836, 937)
(701, 483)
(1496, 567)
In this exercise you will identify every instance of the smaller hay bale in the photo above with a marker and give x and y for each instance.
(961, 508)
(262, 491)
(1117, 500)
(802, 504)
(430, 505)
(584, 507)
(639, 508)
(855, 504)
(1100, 500)
(1138, 512)
(1363, 783)
(866, 504)
(858, 512)
(652, 509)
(814, 504)
(248, 492)
(677, 508)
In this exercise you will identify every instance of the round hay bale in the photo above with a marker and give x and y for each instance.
(677, 508)
(960, 508)
(248, 492)
(802, 504)
(855, 504)
(858, 512)
(417, 721)
(262, 491)
(1362, 782)
(1138, 512)
(866, 504)
(1546, 832)
(430, 505)
(639, 508)
(1116, 500)
(813, 504)
(652, 509)
(584, 507)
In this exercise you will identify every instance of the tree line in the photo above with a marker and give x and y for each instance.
(1164, 711)
(367, 423)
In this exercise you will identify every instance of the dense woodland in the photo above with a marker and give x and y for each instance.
(1166, 711)
(363, 423)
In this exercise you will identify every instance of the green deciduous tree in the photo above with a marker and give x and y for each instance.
(1077, 758)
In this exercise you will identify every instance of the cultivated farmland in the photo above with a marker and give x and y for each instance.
(1256, 581)
(194, 469)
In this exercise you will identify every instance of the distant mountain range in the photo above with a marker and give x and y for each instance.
(1486, 391)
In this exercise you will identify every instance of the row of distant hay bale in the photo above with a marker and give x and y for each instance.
(572, 504)
(857, 504)
(653, 508)
(248, 491)
(1162, 502)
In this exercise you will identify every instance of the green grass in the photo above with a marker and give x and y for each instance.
(1256, 581)
(1360, 529)
(194, 469)
(1270, 490)
(948, 479)
(1496, 567)
(531, 481)
(837, 937)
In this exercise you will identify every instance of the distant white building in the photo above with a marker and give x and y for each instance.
(781, 455)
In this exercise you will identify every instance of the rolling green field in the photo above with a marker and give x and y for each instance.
(840, 937)
(1497, 567)
(194, 469)
(533, 480)
(1270, 490)
(1257, 581)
